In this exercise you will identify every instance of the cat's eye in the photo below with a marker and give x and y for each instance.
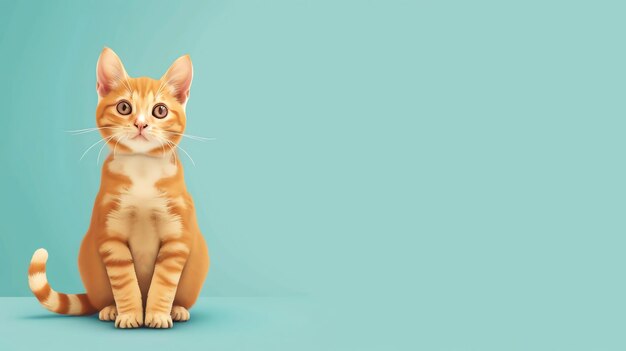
(159, 111)
(124, 108)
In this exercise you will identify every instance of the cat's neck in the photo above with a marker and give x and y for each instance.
(166, 155)
(146, 167)
(162, 159)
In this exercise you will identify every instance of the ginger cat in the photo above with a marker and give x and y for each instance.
(143, 259)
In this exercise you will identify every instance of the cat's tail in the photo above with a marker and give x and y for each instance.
(72, 304)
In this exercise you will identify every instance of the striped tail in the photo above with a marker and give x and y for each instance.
(72, 304)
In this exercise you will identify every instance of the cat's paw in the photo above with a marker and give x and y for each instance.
(158, 320)
(129, 320)
(108, 313)
(180, 314)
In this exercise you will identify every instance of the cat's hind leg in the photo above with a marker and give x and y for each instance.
(108, 313)
(193, 275)
(94, 274)
(180, 314)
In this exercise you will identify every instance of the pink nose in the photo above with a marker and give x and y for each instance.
(141, 126)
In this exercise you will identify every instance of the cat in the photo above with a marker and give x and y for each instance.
(143, 259)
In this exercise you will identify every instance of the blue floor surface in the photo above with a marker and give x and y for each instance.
(216, 324)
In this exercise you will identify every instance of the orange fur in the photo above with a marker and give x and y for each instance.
(143, 259)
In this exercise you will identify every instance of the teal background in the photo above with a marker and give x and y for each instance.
(436, 175)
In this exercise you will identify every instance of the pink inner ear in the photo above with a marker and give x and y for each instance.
(107, 76)
(181, 96)
(101, 89)
(179, 77)
(179, 85)
(108, 72)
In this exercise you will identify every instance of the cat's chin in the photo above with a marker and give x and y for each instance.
(141, 145)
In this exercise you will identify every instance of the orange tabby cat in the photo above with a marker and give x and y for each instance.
(143, 259)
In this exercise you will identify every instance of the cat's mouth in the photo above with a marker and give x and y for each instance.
(139, 137)
(140, 142)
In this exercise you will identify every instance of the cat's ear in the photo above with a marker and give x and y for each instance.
(178, 78)
(109, 72)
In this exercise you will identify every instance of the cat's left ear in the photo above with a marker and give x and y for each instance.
(178, 78)
(109, 72)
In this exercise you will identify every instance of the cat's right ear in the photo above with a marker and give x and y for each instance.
(109, 72)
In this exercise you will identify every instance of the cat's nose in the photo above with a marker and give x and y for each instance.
(141, 126)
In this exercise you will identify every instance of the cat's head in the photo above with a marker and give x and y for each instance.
(141, 115)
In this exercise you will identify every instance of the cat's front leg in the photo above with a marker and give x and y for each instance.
(119, 265)
(170, 262)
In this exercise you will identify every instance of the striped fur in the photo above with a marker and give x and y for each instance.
(143, 259)
(71, 304)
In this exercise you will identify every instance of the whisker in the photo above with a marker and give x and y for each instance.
(183, 150)
(94, 144)
(193, 137)
(102, 147)
(79, 130)
(171, 147)
(115, 147)
(89, 130)
(173, 151)
(162, 146)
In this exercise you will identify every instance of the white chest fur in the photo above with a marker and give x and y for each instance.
(143, 215)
